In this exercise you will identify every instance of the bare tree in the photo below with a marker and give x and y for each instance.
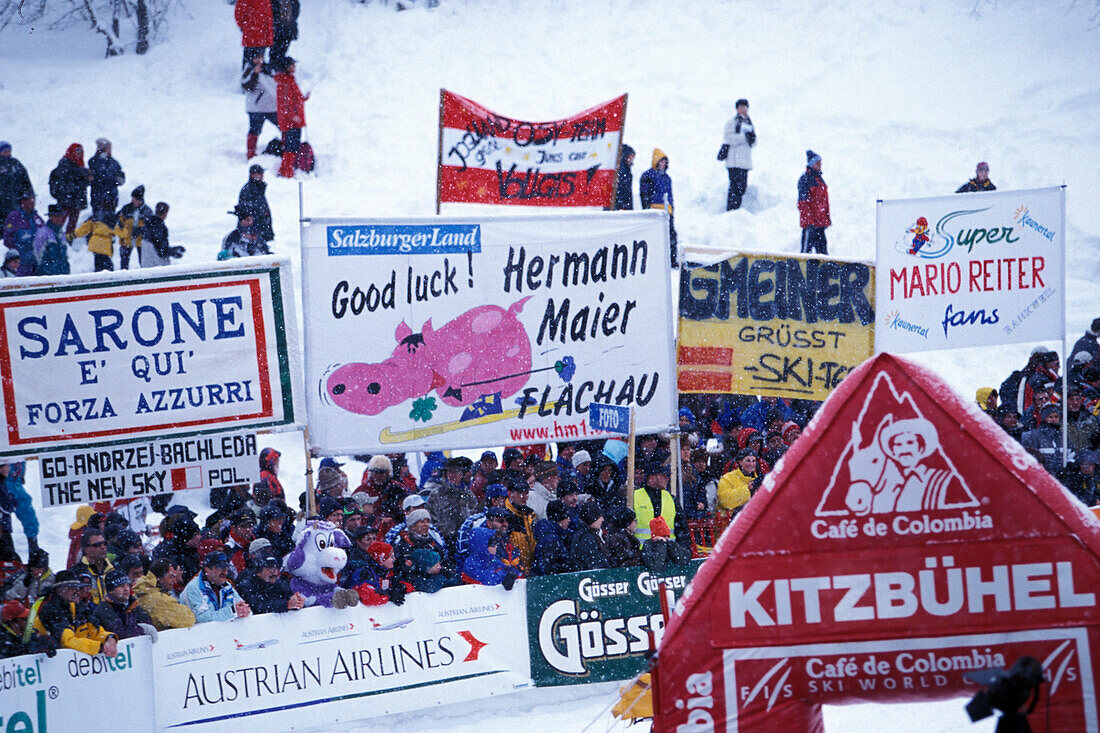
(124, 24)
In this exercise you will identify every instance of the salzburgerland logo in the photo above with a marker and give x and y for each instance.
(389, 239)
(1023, 218)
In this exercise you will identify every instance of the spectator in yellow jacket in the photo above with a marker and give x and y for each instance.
(154, 594)
(101, 232)
(736, 487)
(62, 615)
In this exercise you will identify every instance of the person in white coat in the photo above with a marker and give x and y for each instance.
(737, 148)
(260, 101)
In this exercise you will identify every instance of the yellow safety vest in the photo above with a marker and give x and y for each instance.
(643, 510)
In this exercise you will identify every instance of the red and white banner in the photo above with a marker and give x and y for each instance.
(904, 541)
(487, 158)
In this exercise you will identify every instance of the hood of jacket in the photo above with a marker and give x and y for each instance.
(657, 155)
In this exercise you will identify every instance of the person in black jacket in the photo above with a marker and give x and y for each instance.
(623, 548)
(980, 181)
(155, 250)
(119, 612)
(551, 537)
(624, 182)
(245, 239)
(106, 177)
(69, 185)
(132, 217)
(264, 590)
(253, 198)
(14, 181)
(284, 15)
(587, 547)
(13, 622)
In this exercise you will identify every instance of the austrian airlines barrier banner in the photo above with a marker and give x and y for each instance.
(903, 541)
(426, 334)
(156, 353)
(971, 270)
(774, 325)
(487, 158)
(594, 626)
(294, 670)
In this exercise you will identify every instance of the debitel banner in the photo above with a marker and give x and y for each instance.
(431, 334)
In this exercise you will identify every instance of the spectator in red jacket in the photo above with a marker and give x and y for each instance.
(257, 24)
(813, 206)
(292, 116)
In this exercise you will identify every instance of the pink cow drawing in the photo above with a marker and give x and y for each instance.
(483, 351)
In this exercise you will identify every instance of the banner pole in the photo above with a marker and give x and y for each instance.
(674, 474)
(618, 158)
(439, 156)
(1065, 351)
(311, 494)
(630, 463)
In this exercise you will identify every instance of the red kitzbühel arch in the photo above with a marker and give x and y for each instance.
(902, 542)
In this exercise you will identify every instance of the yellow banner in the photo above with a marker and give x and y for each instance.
(772, 325)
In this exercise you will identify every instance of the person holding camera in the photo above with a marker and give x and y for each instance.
(736, 151)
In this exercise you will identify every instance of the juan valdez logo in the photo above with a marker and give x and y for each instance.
(895, 471)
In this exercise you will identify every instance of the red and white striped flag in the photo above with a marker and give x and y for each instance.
(487, 158)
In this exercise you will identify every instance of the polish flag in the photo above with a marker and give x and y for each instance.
(487, 158)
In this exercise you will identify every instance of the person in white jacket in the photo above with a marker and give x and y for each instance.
(260, 101)
(737, 146)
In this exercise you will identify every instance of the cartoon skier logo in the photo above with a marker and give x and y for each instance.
(920, 235)
(900, 467)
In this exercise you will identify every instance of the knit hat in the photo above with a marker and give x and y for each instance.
(327, 505)
(495, 491)
(114, 578)
(259, 545)
(788, 426)
(216, 560)
(417, 515)
(567, 487)
(101, 143)
(488, 454)
(812, 159)
(185, 529)
(621, 517)
(982, 165)
(424, 559)
(266, 559)
(138, 193)
(380, 462)
(13, 610)
(590, 512)
(498, 511)
(209, 547)
(555, 511)
(270, 512)
(1048, 410)
(740, 102)
(255, 168)
(581, 456)
(379, 551)
(658, 527)
(511, 454)
(412, 500)
(4, 145)
(39, 558)
(656, 467)
(126, 563)
(332, 479)
(56, 210)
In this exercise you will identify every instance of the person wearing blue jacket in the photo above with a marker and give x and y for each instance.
(552, 541)
(492, 559)
(210, 595)
(655, 191)
(19, 501)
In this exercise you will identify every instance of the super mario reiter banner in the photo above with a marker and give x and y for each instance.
(971, 270)
(487, 158)
(426, 334)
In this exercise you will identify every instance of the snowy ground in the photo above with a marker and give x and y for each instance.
(900, 97)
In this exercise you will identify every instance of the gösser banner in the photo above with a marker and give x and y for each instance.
(486, 158)
(971, 270)
(774, 325)
(902, 542)
(146, 468)
(95, 360)
(285, 671)
(426, 334)
(594, 626)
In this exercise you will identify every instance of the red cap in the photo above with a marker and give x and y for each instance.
(658, 527)
(13, 610)
(379, 551)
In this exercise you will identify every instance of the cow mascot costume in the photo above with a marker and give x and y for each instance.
(316, 561)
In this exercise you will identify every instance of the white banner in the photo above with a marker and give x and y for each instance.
(439, 333)
(322, 666)
(77, 692)
(154, 353)
(148, 468)
(970, 269)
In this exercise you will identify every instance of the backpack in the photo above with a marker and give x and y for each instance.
(305, 158)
